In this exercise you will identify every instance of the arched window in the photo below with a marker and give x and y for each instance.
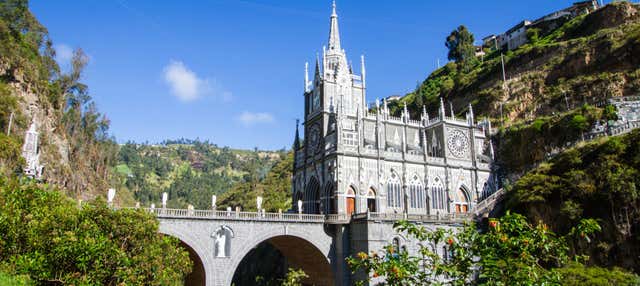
(330, 199)
(416, 193)
(438, 195)
(394, 192)
(462, 200)
(371, 200)
(351, 200)
(313, 195)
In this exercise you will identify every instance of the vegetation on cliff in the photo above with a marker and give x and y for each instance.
(75, 145)
(597, 180)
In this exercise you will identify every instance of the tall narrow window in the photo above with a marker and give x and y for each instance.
(438, 195)
(416, 193)
(394, 192)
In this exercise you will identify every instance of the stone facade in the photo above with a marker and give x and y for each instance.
(354, 160)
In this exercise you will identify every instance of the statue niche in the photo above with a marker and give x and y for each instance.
(222, 241)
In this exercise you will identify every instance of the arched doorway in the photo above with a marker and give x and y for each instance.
(313, 194)
(351, 201)
(462, 201)
(371, 201)
(330, 199)
(279, 253)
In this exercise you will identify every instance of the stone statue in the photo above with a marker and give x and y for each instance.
(299, 206)
(214, 200)
(190, 209)
(259, 203)
(221, 240)
(111, 194)
(165, 197)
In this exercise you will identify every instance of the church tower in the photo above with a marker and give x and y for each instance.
(333, 95)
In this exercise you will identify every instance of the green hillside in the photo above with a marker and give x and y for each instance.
(189, 171)
(558, 75)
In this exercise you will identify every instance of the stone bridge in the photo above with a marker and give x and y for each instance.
(318, 244)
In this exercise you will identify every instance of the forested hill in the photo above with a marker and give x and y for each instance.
(555, 84)
(190, 171)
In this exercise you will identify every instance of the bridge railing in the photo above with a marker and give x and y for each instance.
(233, 215)
(314, 218)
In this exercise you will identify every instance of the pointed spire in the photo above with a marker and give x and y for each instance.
(471, 114)
(405, 112)
(377, 106)
(385, 108)
(296, 141)
(441, 111)
(334, 33)
(451, 108)
(306, 77)
(363, 72)
(317, 71)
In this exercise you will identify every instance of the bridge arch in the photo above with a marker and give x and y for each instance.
(299, 247)
(196, 251)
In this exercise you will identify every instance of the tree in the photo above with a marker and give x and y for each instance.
(510, 252)
(48, 237)
(460, 45)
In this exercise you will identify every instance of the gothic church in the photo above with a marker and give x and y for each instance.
(354, 159)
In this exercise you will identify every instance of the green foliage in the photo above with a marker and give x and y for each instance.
(53, 240)
(523, 144)
(510, 252)
(576, 274)
(10, 155)
(533, 35)
(294, 277)
(460, 45)
(14, 280)
(275, 189)
(598, 180)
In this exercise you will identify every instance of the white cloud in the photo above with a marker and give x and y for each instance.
(250, 118)
(64, 53)
(188, 86)
(184, 83)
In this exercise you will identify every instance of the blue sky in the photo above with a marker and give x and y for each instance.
(231, 71)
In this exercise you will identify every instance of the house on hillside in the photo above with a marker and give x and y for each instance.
(516, 36)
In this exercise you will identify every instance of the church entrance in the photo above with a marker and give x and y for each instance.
(351, 201)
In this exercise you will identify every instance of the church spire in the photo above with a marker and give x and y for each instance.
(334, 33)
(296, 141)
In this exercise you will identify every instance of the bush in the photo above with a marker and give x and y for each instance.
(50, 238)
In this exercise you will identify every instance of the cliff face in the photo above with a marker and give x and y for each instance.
(75, 148)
